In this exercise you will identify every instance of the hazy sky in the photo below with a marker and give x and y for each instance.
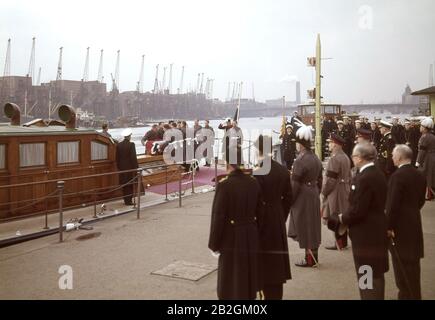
(376, 46)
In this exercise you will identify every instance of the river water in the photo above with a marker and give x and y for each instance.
(251, 128)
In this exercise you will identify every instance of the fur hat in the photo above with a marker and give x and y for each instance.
(427, 123)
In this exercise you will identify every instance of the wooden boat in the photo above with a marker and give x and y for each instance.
(43, 150)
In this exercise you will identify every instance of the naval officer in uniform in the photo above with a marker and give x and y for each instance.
(385, 150)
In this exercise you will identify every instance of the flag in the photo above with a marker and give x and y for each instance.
(236, 115)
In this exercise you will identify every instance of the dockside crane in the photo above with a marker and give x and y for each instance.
(180, 89)
(202, 83)
(164, 80)
(170, 78)
(86, 70)
(207, 87)
(100, 76)
(156, 80)
(59, 66)
(38, 81)
(7, 69)
(31, 71)
(141, 76)
(117, 69)
(197, 83)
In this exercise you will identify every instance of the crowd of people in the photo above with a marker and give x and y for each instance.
(372, 190)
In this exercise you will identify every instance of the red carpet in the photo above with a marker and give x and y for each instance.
(202, 178)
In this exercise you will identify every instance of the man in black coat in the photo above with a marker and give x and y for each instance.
(406, 197)
(367, 223)
(234, 235)
(276, 196)
(126, 159)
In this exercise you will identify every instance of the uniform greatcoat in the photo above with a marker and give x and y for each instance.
(306, 179)
(336, 184)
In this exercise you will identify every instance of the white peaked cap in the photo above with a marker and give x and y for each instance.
(427, 123)
(305, 133)
(127, 132)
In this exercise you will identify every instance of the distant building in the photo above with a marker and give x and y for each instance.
(407, 98)
(298, 92)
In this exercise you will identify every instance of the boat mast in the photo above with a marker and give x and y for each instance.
(318, 140)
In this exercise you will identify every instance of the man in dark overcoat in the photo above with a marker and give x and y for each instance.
(367, 223)
(234, 235)
(406, 197)
(276, 196)
(126, 159)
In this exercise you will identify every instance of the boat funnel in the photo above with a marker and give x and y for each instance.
(12, 111)
(68, 115)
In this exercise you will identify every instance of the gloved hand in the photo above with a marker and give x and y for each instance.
(333, 222)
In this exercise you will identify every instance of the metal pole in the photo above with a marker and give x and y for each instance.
(139, 184)
(166, 183)
(179, 191)
(249, 154)
(193, 178)
(46, 215)
(60, 187)
(215, 170)
(318, 140)
(95, 206)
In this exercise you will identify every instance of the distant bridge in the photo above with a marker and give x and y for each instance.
(394, 108)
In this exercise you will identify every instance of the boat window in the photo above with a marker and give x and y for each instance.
(68, 152)
(32, 154)
(99, 151)
(2, 156)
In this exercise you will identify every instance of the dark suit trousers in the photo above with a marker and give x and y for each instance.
(378, 291)
(408, 279)
(273, 291)
(127, 191)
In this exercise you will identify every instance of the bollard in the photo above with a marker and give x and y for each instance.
(179, 191)
(166, 183)
(60, 187)
(139, 184)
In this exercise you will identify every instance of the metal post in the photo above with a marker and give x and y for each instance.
(46, 215)
(95, 206)
(249, 154)
(318, 139)
(60, 187)
(139, 184)
(193, 177)
(215, 170)
(179, 191)
(166, 183)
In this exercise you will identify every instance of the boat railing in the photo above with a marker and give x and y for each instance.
(61, 192)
